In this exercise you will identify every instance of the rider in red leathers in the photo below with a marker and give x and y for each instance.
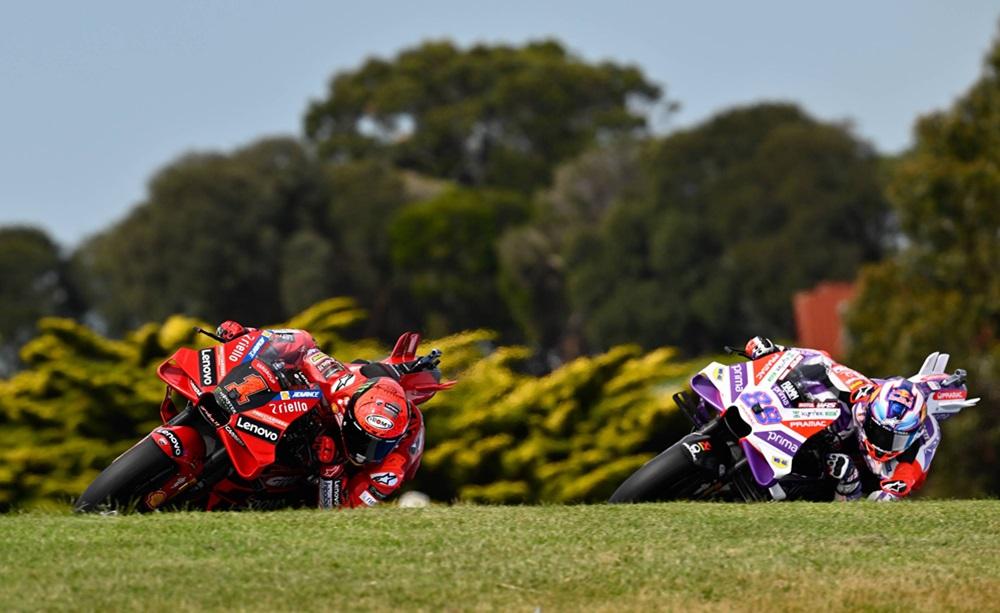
(380, 438)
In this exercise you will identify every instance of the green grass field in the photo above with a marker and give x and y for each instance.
(921, 555)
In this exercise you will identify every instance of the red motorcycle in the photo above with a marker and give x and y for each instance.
(245, 437)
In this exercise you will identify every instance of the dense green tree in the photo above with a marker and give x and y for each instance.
(942, 290)
(366, 195)
(532, 257)
(253, 235)
(444, 251)
(209, 239)
(730, 219)
(33, 284)
(487, 115)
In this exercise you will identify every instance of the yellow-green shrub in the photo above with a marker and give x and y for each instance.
(500, 436)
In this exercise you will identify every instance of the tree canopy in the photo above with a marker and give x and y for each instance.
(941, 291)
(33, 284)
(730, 219)
(492, 115)
(252, 235)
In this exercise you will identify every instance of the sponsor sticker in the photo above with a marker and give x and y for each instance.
(288, 395)
(782, 397)
(807, 423)
(790, 391)
(288, 407)
(695, 448)
(224, 401)
(175, 443)
(788, 362)
(828, 414)
(206, 367)
(779, 461)
(379, 422)
(240, 349)
(326, 495)
(896, 486)
(267, 417)
(257, 429)
(779, 440)
(232, 434)
(775, 369)
(851, 378)
(257, 347)
(386, 479)
(368, 499)
(764, 365)
(265, 371)
(737, 379)
(831, 404)
(155, 498)
(205, 413)
(342, 382)
(949, 395)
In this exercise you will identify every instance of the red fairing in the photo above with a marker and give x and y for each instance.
(251, 436)
(421, 386)
(184, 446)
(195, 372)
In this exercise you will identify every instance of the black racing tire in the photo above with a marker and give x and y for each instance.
(122, 486)
(669, 476)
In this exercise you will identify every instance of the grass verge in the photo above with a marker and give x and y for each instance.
(690, 556)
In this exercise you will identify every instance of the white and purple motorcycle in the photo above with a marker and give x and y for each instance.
(762, 428)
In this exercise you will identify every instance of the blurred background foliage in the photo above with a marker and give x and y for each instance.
(518, 189)
(500, 436)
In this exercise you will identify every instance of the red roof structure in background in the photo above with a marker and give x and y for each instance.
(819, 316)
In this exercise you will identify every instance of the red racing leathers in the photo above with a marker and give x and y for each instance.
(342, 483)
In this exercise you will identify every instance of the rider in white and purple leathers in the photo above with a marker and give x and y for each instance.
(890, 427)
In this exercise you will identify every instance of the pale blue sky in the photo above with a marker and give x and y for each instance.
(95, 96)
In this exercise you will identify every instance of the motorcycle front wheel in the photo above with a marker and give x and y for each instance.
(125, 485)
(669, 476)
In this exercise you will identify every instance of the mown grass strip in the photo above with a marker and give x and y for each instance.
(917, 556)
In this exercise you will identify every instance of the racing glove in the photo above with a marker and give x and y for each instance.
(759, 346)
(840, 467)
(229, 329)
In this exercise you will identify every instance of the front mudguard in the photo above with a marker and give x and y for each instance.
(186, 448)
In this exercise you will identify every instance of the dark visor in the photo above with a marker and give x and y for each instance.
(884, 439)
(363, 447)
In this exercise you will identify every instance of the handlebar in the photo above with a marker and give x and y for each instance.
(209, 334)
(427, 362)
(956, 379)
(734, 350)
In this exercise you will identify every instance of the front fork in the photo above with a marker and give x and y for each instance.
(183, 441)
(735, 473)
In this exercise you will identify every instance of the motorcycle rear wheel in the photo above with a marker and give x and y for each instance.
(669, 476)
(125, 485)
